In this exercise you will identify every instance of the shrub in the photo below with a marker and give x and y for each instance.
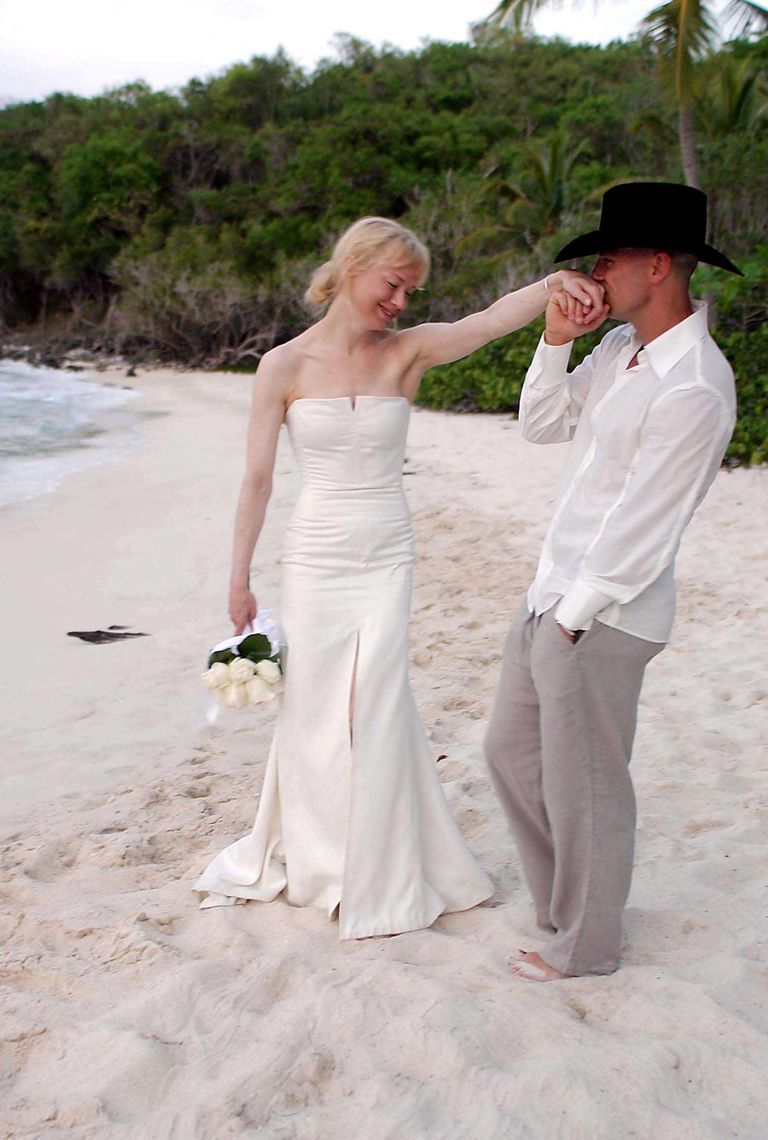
(490, 380)
(740, 311)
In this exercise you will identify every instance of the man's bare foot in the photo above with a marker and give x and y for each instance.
(532, 968)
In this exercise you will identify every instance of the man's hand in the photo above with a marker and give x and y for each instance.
(567, 318)
(571, 635)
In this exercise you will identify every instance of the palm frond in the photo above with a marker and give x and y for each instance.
(745, 17)
(503, 190)
(683, 32)
(732, 100)
(654, 127)
(517, 14)
(478, 238)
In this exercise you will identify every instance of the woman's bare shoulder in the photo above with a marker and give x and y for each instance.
(279, 367)
(279, 359)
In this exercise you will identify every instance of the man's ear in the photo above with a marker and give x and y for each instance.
(661, 266)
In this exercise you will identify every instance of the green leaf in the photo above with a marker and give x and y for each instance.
(256, 647)
(225, 655)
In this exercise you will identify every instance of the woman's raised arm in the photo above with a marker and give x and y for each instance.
(268, 404)
(442, 343)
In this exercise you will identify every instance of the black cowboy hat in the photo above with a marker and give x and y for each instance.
(651, 215)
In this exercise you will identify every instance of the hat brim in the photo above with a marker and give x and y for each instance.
(585, 246)
(595, 242)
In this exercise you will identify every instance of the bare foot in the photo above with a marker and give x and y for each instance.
(532, 968)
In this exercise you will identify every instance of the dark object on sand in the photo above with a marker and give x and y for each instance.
(101, 636)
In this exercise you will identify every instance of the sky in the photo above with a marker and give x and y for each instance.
(87, 46)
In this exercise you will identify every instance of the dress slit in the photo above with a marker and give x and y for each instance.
(353, 691)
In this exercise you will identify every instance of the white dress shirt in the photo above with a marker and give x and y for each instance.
(647, 443)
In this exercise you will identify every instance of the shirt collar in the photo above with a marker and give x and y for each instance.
(668, 349)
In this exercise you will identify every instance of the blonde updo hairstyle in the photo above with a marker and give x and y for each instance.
(367, 242)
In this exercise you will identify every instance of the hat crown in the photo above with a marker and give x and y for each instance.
(654, 214)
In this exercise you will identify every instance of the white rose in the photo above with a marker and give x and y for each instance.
(241, 670)
(235, 696)
(270, 671)
(259, 691)
(217, 676)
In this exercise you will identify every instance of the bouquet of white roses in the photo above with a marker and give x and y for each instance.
(246, 670)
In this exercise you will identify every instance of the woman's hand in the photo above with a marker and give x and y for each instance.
(579, 287)
(242, 607)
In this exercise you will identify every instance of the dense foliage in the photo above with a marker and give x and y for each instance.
(184, 225)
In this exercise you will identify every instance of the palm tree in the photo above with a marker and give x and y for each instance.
(733, 98)
(531, 204)
(684, 32)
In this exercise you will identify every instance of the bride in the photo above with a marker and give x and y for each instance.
(352, 816)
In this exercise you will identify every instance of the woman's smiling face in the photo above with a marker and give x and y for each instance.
(382, 291)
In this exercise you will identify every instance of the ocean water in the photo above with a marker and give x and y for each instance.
(53, 423)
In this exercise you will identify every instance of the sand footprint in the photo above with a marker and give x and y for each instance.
(303, 1084)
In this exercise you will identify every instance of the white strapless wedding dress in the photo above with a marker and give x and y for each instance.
(350, 818)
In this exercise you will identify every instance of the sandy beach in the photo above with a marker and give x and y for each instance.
(128, 1013)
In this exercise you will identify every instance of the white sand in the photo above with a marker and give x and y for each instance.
(129, 1013)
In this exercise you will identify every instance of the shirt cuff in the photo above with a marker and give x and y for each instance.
(579, 605)
(546, 358)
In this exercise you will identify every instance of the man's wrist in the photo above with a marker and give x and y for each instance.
(573, 635)
(556, 340)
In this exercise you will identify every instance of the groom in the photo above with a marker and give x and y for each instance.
(649, 414)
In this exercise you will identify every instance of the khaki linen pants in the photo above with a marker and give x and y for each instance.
(558, 746)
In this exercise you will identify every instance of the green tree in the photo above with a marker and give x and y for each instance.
(105, 187)
(733, 97)
(684, 33)
(530, 205)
